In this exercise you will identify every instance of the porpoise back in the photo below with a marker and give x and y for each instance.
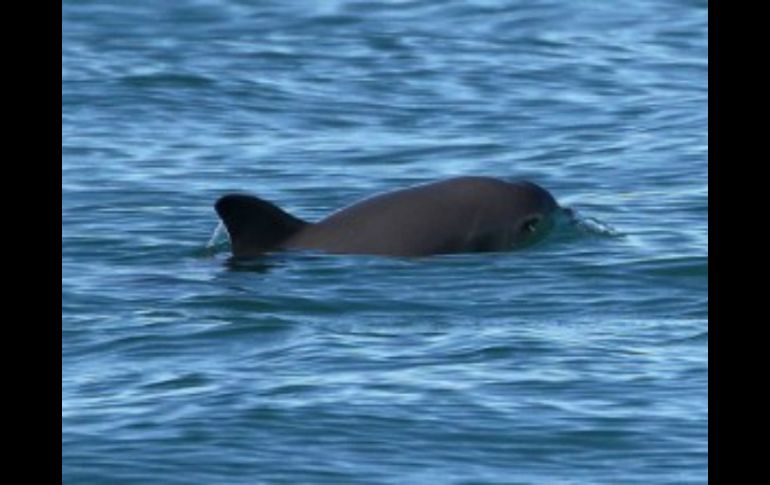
(463, 214)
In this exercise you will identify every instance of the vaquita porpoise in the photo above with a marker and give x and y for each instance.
(458, 215)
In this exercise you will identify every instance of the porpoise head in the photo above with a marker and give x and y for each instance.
(532, 215)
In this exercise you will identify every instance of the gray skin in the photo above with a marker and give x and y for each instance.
(464, 214)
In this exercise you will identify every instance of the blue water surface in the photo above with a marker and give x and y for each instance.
(582, 359)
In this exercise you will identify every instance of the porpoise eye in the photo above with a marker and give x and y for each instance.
(530, 224)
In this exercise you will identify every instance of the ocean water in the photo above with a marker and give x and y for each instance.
(582, 359)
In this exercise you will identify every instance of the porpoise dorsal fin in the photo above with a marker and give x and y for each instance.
(255, 225)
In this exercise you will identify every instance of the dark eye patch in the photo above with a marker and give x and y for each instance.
(530, 224)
